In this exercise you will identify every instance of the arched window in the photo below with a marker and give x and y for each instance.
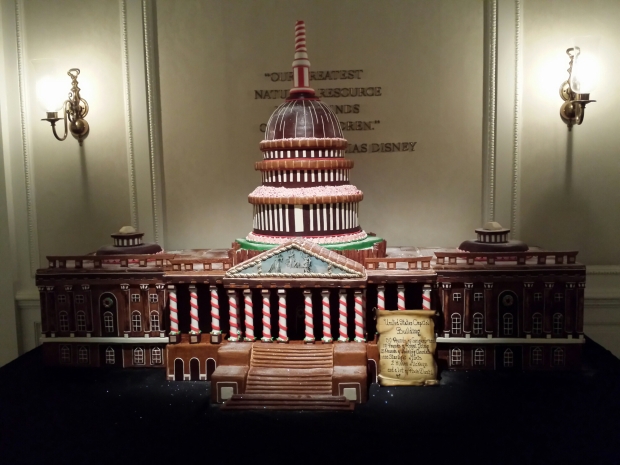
(110, 356)
(508, 358)
(558, 324)
(536, 324)
(136, 322)
(508, 324)
(63, 321)
(138, 356)
(478, 325)
(558, 357)
(154, 321)
(479, 357)
(537, 356)
(455, 357)
(108, 322)
(83, 357)
(155, 356)
(65, 354)
(80, 321)
(456, 323)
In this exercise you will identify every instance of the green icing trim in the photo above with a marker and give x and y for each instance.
(357, 245)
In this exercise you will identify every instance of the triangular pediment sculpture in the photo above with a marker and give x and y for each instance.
(298, 259)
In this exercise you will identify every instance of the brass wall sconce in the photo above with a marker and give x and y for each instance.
(75, 109)
(582, 75)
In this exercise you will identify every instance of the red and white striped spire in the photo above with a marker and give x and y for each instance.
(301, 64)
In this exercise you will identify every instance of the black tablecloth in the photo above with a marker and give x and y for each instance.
(134, 416)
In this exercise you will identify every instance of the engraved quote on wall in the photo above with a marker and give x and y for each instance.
(407, 346)
(354, 110)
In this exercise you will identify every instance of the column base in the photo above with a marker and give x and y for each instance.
(282, 340)
(343, 339)
(249, 339)
(235, 339)
(216, 338)
(359, 339)
(309, 340)
(194, 338)
(174, 338)
(327, 340)
(266, 339)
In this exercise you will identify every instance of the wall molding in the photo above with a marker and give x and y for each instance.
(489, 111)
(516, 149)
(31, 214)
(154, 124)
(133, 194)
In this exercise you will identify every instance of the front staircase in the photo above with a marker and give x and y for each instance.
(290, 377)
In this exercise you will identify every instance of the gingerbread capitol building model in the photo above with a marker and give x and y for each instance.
(286, 317)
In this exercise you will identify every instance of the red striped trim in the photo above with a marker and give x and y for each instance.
(215, 327)
(174, 320)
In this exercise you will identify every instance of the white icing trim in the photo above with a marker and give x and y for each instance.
(107, 340)
(339, 239)
(509, 340)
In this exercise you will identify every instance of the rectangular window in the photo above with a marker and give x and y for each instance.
(135, 297)
(62, 299)
(80, 320)
(478, 296)
(79, 299)
(63, 321)
(537, 324)
(537, 296)
(558, 297)
(136, 322)
(154, 322)
(456, 296)
(153, 298)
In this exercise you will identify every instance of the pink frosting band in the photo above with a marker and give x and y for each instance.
(303, 192)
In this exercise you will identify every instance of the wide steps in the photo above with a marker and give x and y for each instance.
(292, 356)
(289, 381)
(288, 402)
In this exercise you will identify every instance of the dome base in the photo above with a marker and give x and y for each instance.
(366, 243)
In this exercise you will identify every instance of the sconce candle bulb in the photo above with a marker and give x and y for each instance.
(75, 109)
(575, 91)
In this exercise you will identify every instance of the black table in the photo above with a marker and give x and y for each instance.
(87, 416)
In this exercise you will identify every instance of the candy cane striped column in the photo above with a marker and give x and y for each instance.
(301, 65)
(327, 327)
(342, 316)
(215, 312)
(235, 334)
(266, 316)
(426, 297)
(401, 297)
(282, 337)
(174, 310)
(308, 320)
(193, 311)
(380, 297)
(359, 317)
(248, 308)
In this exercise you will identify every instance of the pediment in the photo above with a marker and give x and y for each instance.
(298, 259)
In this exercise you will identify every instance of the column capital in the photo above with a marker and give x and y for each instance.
(125, 287)
(247, 292)
(307, 292)
(172, 287)
(68, 287)
(231, 292)
(263, 291)
(446, 285)
(488, 285)
(357, 291)
(145, 287)
(570, 285)
(325, 292)
(85, 287)
(41, 288)
(581, 285)
(528, 285)
(50, 288)
(281, 292)
(160, 286)
(549, 285)
(469, 285)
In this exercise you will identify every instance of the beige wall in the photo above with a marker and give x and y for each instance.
(209, 56)
(570, 193)
(214, 54)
